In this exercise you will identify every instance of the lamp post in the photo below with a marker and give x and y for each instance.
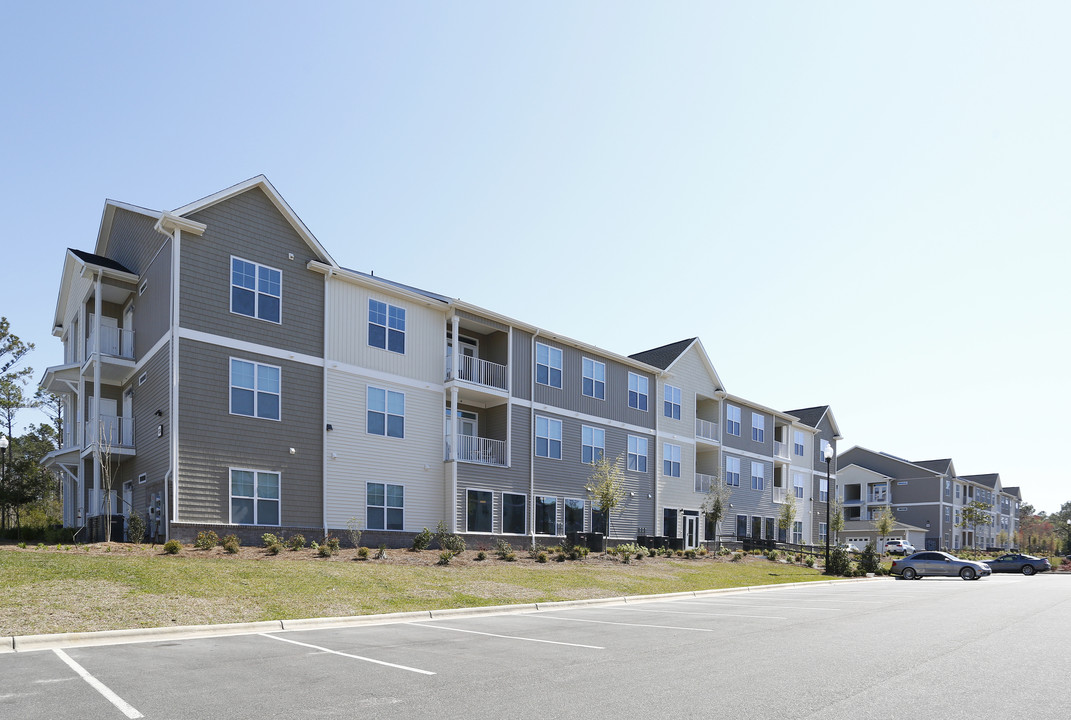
(827, 455)
(4, 442)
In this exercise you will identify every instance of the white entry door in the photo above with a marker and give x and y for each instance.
(691, 531)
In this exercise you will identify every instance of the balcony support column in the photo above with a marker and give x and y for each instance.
(454, 422)
(97, 309)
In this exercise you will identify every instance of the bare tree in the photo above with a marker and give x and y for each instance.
(884, 525)
(105, 450)
(606, 486)
(716, 504)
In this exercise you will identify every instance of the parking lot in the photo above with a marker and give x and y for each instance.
(874, 648)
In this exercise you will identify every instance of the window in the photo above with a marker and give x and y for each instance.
(822, 445)
(672, 405)
(546, 515)
(386, 507)
(741, 526)
(732, 420)
(770, 525)
(732, 471)
(798, 440)
(254, 389)
(254, 497)
(594, 379)
(797, 483)
(957, 492)
(574, 515)
(822, 533)
(514, 513)
(256, 290)
(948, 514)
(548, 365)
(669, 522)
(142, 478)
(637, 392)
(548, 438)
(479, 511)
(386, 412)
(758, 476)
(637, 453)
(598, 520)
(823, 490)
(797, 532)
(386, 326)
(592, 444)
(671, 460)
(758, 427)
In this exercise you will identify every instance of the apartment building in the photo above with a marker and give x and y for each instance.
(929, 495)
(223, 372)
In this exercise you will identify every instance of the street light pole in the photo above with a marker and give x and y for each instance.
(827, 454)
(4, 442)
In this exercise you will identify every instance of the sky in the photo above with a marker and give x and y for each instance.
(863, 205)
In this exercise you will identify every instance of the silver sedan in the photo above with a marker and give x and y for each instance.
(932, 563)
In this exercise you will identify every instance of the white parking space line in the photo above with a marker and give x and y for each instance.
(354, 657)
(825, 597)
(607, 622)
(722, 603)
(703, 614)
(124, 707)
(508, 637)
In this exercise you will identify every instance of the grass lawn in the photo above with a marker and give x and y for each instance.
(94, 588)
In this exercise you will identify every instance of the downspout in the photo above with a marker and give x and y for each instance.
(176, 259)
(167, 526)
(455, 420)
(532, 439)
(323, 426)
(98, 306)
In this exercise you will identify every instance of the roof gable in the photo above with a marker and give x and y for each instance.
(664, 356)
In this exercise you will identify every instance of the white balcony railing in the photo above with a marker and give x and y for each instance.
(96, 502)
(482, 451)
(878, 498)
(475, 370)
(780, 449)
(778, 494)
(702, 482)
(706, 429)
(113, 431)
(114, 341)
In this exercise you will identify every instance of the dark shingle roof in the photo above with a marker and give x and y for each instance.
(100, 260)
(663, 357)
(809, 416)
(988, 479)
(1013, 490)
(935, 465)
(410, 288)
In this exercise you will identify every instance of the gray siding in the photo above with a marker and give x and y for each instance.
(249, 226)
(153, 453)
(133, 242)
(744, 441)
(522, 365)
(922, 485)
(152, 317)
(212, 440)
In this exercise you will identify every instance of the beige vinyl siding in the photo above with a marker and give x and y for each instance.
(347, 334)
(355, 457)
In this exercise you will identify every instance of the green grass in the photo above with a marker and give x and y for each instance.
(48, 592)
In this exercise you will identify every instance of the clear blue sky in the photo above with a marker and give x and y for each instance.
(859, 204)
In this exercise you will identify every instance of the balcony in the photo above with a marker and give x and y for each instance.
(706, 430)
(878, 499)
(703, 482)
(112, 432)
(478, 450)
(780, 449)
(115, 342)
(779, 494)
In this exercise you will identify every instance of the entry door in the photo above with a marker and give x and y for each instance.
(109, 330)
(126, 339)
(108, 432)
(691, 531)
(128, 498)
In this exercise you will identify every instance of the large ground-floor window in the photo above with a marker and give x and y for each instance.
(546, 515)
(598, 520)
(741, 526)
(514, 513)
(797, 532)
(254, 497)
(479, 511)
(669, 522)
(386, 507)
(574, 515)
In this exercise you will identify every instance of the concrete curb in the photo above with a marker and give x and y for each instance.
(29, 643)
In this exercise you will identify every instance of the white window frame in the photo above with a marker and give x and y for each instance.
(798, 487)
(257, 392)
(386, 507)
(823, 532)
(524, 513)
(255, 497)
(598, 387)
(492, 502)
(385, 412)
(732, 471)
(388, 326)
(552, 354)
(143, 378)
(593, 439)
(635, 394)
(732, 420)
(256, 290)
(758, 481)
(142, 478)
(799, 439)
(549, 437)
(671, 460)
(535, 514)
(634, 441)
(671, 401)
(758, 427)
(797, 532)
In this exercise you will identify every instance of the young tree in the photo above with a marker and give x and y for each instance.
(787, 515)
(884, 525)
(606, 486)
(974, 514)
(836, 520)
(106, 442)
(715, 504)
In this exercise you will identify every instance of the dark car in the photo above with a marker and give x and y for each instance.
(1014, 562)
(930, 563)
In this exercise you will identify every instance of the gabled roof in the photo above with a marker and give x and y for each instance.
(402, 286)
(1012, 490)
(99, 260)
(664, 356)
(281, 205)
(852, 455)
(989, 479)
(74, 263)
(812, 416)
(943, 466)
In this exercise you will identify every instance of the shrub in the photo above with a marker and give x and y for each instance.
(560, 557)
(22, 546)
(296, 542)
(541, 557)
(135, 528)
(810, 562)
(382, 552)
(445, 557)
(171, 547)
(314, 545)
(231, 544)
(269, 539)
(40, 546)
(503, 549)
(868, 559)
(422, 540)
(332, 543)
(362, 553)
(481, 555)
(703, 551)
(274, 548)
(206, 540)
(690, 554)
(324, 551)
(839, 562)
(449, 541)
(353, 530)
(510, 557)
(738, 557)
(533, 552)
